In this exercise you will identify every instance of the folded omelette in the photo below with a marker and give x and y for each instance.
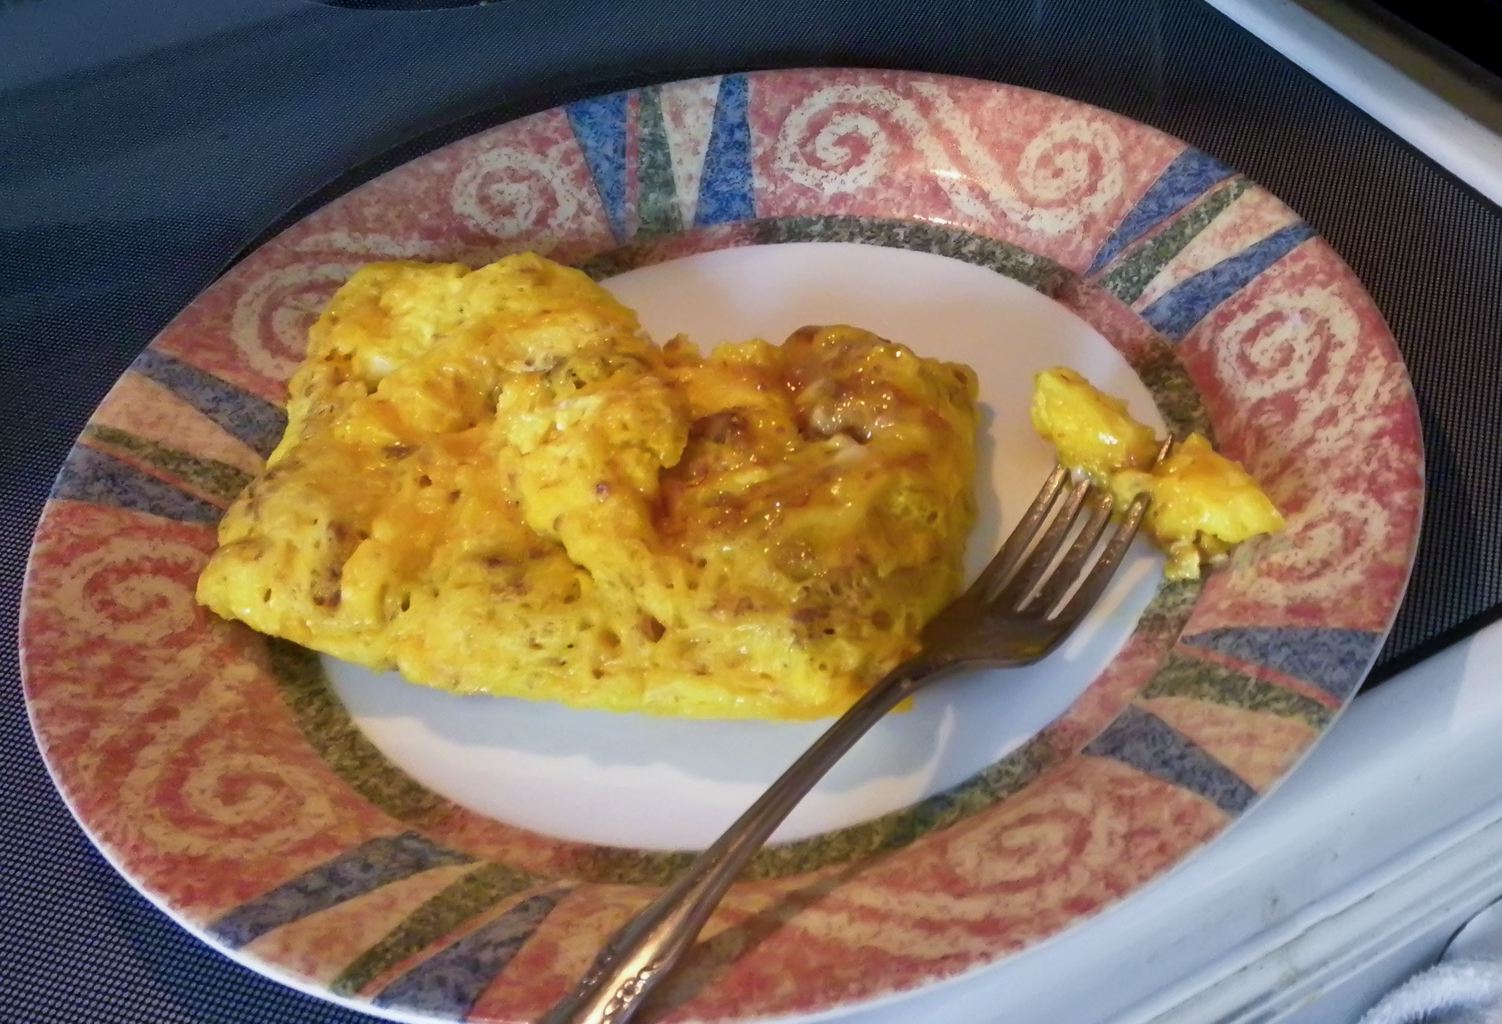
(493, 482)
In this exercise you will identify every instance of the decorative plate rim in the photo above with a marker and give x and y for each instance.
(1182, 248)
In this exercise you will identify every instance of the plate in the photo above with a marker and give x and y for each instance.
(424, 856)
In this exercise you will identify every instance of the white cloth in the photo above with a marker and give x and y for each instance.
(1465, 987)
(1461, 992)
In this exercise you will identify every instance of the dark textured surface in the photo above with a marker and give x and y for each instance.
(127, 184)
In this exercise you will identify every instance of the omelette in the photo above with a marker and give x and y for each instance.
(494, 482)
(1202, 503)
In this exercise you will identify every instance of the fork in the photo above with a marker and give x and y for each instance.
(1025, 602)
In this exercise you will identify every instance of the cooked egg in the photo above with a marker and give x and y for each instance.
(1202, 503)
(1092, 431)
(494, 482)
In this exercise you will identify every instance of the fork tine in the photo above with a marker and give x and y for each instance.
(1015, 594)
(1000, 567)
(1067, 573)
(1105, 566)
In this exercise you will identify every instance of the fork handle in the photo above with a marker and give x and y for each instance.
(648, 946)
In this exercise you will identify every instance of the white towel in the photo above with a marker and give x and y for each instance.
(1465, 987)
(1462, 992)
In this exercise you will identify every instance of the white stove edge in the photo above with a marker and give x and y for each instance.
(1465, 147)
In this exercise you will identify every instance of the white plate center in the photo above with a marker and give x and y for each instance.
(631, 780)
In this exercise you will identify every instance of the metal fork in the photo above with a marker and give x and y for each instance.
(1023, 605)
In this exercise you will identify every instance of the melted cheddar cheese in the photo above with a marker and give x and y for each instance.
(493, 482)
